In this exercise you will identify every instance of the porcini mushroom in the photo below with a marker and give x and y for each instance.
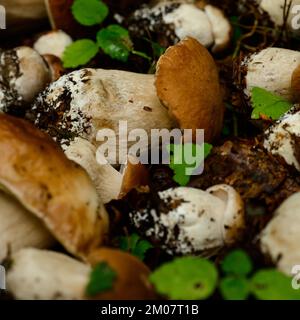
(176, 20)
(280, 239)
(190, 221)
(283, 138)
(45, 275)
(24, 71)
(53, 42)
(83, 102)
(111, 184)
(37, 173)
(19, 228)
(187, 83)
(274, 69)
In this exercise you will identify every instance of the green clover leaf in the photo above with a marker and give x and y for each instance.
(115, 42)
(79, 53)
(237, 263)
(134, 244)
(188, 278)
(89, 12)
(268, 104)
(102, 279)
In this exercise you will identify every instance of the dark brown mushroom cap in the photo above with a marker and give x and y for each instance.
(187, 83)
(36, 172)
(132, 275)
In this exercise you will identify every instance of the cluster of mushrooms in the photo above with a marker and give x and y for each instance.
(53, 191)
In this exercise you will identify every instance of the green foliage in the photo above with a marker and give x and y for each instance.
(237, 263)
(234, 288)
(115, 41)
(178, 159)
(101, 279)
(267, 104)
(79, 53)
(187, 278)
(135, 245)
(273, 285)
(89, 12)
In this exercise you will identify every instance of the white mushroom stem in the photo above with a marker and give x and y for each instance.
(19, 228)
(280, 239)
(25, 71)
(45, 275)
(283, 138)
(221, 28)
(53, 42)
(274, 69)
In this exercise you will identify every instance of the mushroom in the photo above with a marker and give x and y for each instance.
(111, 184)
(187, 83)
(280, 239)
(56, 190)
(283, 138)
(274, 69)
(176, 20)
(45, 275)
(24, 72)
(19, 228)
(83, 102)
(277, 11)
(53, 42)
(186, 221)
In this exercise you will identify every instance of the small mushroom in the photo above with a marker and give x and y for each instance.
(106, 178)
(277, 11)
(187, 83)
(110, 183)
(56, 190)
(280, 239)
(19, 228)
(176, 20)
(53, 42)
(24, 72)
(283, 138)
(274, 69)
(190, 221)
(45, 275)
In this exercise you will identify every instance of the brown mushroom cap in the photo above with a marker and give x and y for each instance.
(36, 172)
(187, 83)
(132, 275)
(135, 175)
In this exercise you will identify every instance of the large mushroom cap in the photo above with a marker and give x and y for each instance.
(187, 83)
(59, 192)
